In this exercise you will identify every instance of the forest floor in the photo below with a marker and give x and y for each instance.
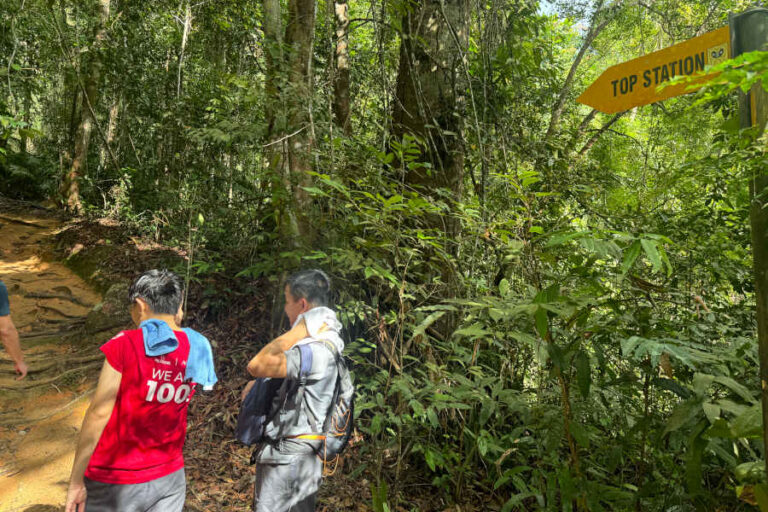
(41, 415)
(52, 305)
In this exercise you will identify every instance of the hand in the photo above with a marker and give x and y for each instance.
(76, 498)
(247, 389)
(21, 369)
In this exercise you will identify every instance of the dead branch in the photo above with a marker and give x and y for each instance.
(599, 133)
(594, 30)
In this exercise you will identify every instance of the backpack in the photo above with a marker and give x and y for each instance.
(256, 411)
(339, 422)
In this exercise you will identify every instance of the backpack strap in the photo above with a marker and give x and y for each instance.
(305, 367)
(306, 357)
(337, 388)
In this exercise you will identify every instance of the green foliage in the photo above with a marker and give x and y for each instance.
(573, 331)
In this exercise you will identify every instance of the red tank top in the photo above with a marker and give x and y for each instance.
(144, 437)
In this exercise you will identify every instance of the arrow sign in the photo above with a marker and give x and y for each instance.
(637, 82)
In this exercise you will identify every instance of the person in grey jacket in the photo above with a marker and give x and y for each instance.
(289, 471)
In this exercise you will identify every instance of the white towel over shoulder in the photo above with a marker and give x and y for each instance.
(315, 318)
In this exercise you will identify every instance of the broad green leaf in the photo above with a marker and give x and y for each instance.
(684, 413)
(580, 435)
(748, 424)
(711, 411)
(508, 474)
(561, 238)
(473, 331)
(424, 325)
(732, 407)
(750, 470)
(737, 388)
(693, 464)
(542, 324)
(583, 373)
(649, 246)
(761, 496)
(630, 256)
(702, 382)
(314, 191)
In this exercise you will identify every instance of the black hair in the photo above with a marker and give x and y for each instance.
(312, 285)
(160, 289)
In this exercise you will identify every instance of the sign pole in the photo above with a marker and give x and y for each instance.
(749, 32)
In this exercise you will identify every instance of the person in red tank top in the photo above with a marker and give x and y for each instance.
(129, 454)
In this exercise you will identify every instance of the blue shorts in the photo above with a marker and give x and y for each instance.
(5, 306)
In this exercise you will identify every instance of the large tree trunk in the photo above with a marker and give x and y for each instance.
(289, 103)
(430, 90)
(91, 73)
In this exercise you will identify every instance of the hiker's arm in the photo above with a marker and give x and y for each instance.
(10, 338)
(95, 420)
(270, 361)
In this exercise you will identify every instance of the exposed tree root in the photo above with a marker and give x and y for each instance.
(25, 421)
(23, 222)
(58, 312)
(70, 298)
(34, 384)
(44, 334)
(65, 362)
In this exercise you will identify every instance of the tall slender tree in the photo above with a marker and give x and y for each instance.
(90, 74)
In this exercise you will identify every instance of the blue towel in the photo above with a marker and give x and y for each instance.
(158, 337)
(159, 340)
(200, 362)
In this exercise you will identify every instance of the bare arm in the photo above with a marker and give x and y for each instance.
(10, 338)
(93, 425)
(270, 361)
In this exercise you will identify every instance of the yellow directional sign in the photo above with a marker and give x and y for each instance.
(637, 82)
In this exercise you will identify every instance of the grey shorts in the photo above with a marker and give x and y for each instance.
(290, 487)
(165, 494)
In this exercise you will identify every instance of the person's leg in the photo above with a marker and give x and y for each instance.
(111, 497)
(167, 494)
(307, 473)
(273, 488)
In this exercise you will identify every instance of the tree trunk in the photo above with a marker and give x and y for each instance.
(430, 90)
(114, 111)
(184, 38)
(90, 84)
(341, 77)
(288, 88)
(299, 38)
(273, 47)
(26, 143)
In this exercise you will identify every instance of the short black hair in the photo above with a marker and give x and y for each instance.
(312, 285)
(160, 289)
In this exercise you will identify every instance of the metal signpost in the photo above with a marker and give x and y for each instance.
(749, 32)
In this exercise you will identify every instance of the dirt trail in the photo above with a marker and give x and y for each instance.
(41, 415)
